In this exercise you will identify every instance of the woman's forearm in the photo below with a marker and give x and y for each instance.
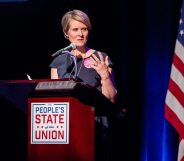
(109, 90)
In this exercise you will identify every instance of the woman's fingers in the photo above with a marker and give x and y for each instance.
(100, 56)
(107, 60)
(99, 62)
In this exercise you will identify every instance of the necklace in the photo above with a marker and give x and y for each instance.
(80, 67)
(78, 71)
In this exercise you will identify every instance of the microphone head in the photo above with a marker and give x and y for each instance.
(73, 46)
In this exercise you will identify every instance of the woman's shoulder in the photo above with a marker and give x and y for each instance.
(96, 52)
(59, 60)
(93, 51)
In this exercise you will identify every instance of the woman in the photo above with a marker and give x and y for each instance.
(94, 67)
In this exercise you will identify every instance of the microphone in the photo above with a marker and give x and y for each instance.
(63, 50)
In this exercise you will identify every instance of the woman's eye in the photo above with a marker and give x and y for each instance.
(75, 29)
(84, 29)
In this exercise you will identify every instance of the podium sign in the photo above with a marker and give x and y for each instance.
(50, 123)
(60, 128)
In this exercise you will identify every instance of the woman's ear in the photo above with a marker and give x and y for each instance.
(65, 35)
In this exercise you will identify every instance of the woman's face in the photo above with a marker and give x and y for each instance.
(77, 33)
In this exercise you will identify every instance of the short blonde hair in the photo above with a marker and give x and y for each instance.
(75, 15)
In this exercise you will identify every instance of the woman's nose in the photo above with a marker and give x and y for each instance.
(80, 32)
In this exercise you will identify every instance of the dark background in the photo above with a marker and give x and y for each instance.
(139, 37)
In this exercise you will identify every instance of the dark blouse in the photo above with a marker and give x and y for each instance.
(65, 68)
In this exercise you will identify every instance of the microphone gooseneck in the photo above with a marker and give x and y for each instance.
(72, 46)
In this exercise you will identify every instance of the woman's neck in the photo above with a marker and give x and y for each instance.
(81, 52)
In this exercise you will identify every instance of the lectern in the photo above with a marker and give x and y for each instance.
(61, 117)
(60, 126)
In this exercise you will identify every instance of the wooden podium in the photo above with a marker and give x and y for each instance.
(61, 118)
